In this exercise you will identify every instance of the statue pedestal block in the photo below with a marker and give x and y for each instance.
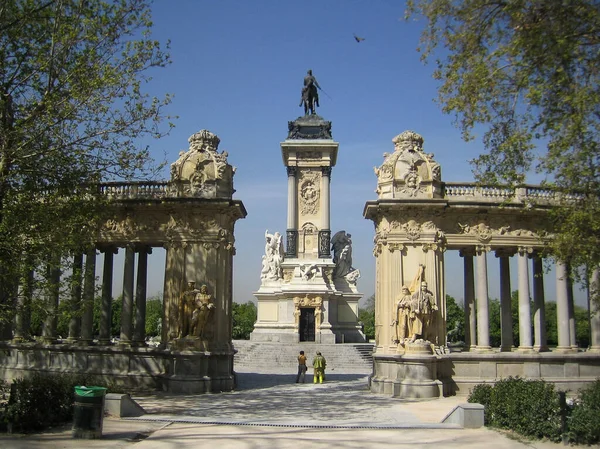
(189, 344)
(409, 376)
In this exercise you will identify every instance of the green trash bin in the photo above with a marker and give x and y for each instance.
(88, 412)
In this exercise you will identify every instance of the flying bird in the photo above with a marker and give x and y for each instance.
(358, 39)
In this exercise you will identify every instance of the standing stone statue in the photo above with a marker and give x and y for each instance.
(422, 307)
(203, 309)
(310, 94)
(271, 264)
(341, 244)
(402, 316)
(186, 309)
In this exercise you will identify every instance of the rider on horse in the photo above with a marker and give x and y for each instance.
(310, 94)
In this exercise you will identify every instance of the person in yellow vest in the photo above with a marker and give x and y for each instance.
(301, 367)
(319, 364)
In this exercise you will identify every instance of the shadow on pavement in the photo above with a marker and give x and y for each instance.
(252, 381)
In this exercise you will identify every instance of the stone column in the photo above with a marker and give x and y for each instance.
(23, 315)
(106, 306)
(127, 299)
(52, 297)
(483, 319)
(525, 334)
(470, 317)
(562, 308)
(540, 342)
(325, 231)
(506, 322)
(571, 302)
(139, 333)
(594, 308)
(175, 282)
(395, 278)
(292, 213)
(75, 321)
(89, 292)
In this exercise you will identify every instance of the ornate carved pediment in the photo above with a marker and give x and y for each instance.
(408, 171)
(480, 231)
(202, 171)
(308, 301)
(120, 227)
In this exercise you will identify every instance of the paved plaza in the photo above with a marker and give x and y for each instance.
(272, 411)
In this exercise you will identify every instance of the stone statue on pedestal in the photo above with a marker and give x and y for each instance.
(402, 316)
(202, 312)
(186, 309)
(271, 261)
(341, 244)
(422, 307)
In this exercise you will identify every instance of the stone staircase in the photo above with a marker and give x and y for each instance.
(348, 357)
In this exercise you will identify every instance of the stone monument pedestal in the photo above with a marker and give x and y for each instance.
(305, 293)
(413, 375)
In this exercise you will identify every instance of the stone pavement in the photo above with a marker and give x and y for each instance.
(271, 411)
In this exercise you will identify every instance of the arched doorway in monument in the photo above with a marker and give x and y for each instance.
(307, 324)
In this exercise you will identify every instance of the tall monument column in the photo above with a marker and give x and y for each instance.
(306, 294)
(292, 214)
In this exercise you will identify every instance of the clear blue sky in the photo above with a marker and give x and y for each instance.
(237, 71)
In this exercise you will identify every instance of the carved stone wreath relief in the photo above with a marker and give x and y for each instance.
(309, 188)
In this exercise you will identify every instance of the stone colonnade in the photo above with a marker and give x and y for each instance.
(418, 218)
(82, 295)
(192, 216)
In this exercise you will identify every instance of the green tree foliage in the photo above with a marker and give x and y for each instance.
(528, 73)
(244, 317)
(154, 307)
(455, 319)
(72, 113)
(366, 315)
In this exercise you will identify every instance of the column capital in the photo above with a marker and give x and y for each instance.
(292, 171)
(525, 250)
(107, 248)
(464, 252)
(395, 246)
(505, 252)
(434, 246)
(480, 249)
(141, 248)
(326, 171)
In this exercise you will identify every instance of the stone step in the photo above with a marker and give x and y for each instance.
(347, 357)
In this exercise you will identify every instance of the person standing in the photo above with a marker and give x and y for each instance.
(319, 364)
(301, 367)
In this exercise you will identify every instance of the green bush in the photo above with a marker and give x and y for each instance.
(482, 394)
(243, 319)
(41, 401)
(584, 421)
(528, 407)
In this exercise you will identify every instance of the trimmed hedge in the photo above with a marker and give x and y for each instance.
(41, 401)
(584, 421)
(532, 409)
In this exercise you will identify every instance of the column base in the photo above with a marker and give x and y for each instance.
(564, 349)
(483, 349)
(525, 349)
(506, 348)
(542, 348)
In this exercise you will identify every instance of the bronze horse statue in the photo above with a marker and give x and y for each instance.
(310, 99)
(310, 95)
